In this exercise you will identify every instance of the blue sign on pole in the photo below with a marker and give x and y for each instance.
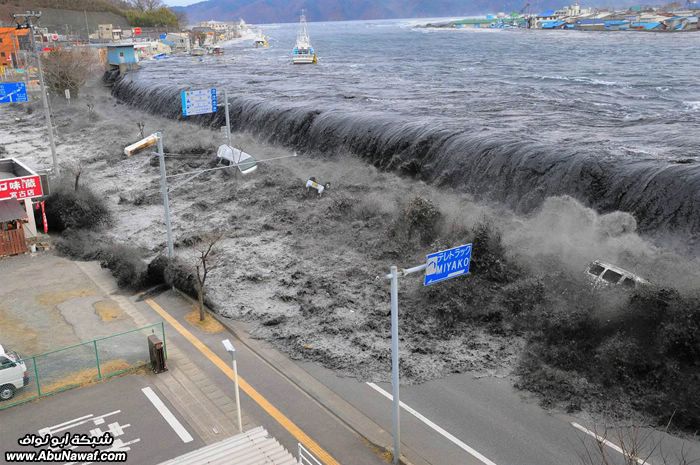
(447, 264)
(198, 102)
(12, 92)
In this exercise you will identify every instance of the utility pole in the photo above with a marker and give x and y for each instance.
(28, 16)
(164, 192)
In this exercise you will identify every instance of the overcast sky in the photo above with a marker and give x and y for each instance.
(179, 2)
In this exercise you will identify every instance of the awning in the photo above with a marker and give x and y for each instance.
(11, 210)
(254, 446)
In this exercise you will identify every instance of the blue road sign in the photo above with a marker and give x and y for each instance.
(11, 92)
(198, 102)
(447, 264)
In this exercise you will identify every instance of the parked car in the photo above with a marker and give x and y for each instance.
(13, 374)
(605, 274)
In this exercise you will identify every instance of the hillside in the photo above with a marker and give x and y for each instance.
(71, 16)
(274, 11)
(7, 7)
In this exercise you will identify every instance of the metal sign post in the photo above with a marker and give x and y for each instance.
(396, 408)
(164, 192)
(439, 266)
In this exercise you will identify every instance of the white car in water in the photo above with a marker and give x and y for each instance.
(13, 374)
(605, 274)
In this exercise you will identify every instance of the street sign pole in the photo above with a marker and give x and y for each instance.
(228, 121)
(164, 192)
(395, 414)
(396, 401)
(439, 266)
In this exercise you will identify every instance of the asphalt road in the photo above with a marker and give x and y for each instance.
(491, 418)
(119, 405)
(343, 444)
(458, 420)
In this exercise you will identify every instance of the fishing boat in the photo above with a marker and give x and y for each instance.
(303, 53)
(198, 52)
(261, 41)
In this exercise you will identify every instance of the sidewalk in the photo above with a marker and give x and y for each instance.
(287, 411)
(210, 411)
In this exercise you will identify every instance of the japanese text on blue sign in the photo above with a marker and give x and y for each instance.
(447, 264)
(12, 92)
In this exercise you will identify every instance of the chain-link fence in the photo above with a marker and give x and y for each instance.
(77, 365)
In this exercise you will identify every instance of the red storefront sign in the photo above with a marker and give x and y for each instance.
(26, 187)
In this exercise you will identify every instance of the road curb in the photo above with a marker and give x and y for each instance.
(347, 414)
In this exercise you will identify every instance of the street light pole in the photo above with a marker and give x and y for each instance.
(47, 111)
(232, 350)
(164, 192)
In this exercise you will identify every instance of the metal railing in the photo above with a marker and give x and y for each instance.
(84, 363)
(306, 457)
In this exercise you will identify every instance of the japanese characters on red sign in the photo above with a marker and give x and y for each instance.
(26, 187)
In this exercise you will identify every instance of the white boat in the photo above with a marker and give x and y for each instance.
(198, 52)
(303, 53)
(261, 41)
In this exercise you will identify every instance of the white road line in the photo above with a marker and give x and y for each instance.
(446, 434)
(611, 445)
(167, 415)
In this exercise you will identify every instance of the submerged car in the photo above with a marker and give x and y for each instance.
(605, 274)
(13, 374)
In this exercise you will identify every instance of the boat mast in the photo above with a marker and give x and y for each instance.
(303, 36)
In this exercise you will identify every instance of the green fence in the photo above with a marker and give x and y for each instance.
(87, 362)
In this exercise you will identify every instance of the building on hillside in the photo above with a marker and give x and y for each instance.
(105, 32)
(12, 42)
(217, 26)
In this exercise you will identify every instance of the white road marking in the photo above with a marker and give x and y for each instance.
(611, 445)
(75, 422)
(167, 415)
(437, 428)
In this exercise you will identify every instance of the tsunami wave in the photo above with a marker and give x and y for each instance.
(662, 195)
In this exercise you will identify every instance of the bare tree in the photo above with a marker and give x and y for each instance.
(206, 263)
(77, 170)
(146, 5)
(637, 445)
(68, 69)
